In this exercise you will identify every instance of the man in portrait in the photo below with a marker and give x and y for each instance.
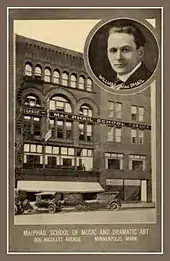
(125, 51)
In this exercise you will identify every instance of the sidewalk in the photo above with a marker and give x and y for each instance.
(138, 205)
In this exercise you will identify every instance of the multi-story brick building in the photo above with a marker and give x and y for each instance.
(69, 129)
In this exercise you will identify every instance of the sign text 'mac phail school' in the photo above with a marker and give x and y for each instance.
(53, 114)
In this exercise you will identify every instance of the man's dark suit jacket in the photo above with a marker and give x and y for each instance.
(142, 74)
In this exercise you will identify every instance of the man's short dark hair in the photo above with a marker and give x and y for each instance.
(126, 26)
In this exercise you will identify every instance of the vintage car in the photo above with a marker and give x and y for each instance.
(104, 200)
(50, 201)
(92, 201)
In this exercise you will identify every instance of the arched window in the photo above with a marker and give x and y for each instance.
(81, 82)
(59, 103)
(65, 79)
(56, 77)
(85, 110)
(28, 69)
(38, 70)
(32, 101)
(89, 84)
(47, 75)
(73, 81)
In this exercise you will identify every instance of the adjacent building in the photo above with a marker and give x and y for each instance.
(69, 129)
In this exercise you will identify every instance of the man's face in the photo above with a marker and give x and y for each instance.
(122, 52)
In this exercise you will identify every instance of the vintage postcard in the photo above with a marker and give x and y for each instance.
(85, 172)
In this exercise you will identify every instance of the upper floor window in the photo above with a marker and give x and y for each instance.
(81, 84)
(85, 110)
(134, 112)
(133, 136)
(137, 162)
(115, 109)
(65, 79)
(110, 109)
(28, 69)
(32, 101)
(38, 70)
(89, 84)
(118, 110)
(113, 160)
(73, 81)
(47, 75)
(56, 77)
(60, 104)
(141, 113)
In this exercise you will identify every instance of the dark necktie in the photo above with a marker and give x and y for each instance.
(118, 82)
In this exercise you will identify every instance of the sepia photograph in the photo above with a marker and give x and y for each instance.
(84, 155)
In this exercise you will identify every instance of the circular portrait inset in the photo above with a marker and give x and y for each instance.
(121, 55)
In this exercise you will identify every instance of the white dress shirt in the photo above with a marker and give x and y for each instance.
(124, 77)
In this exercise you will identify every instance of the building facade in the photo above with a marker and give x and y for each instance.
(69, 129)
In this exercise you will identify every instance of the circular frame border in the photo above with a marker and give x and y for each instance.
(94, 77)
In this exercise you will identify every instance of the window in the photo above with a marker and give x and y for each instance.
(56, 77)
(113, 160)
(85, 132)
(38, 70)
(52, 156)
(110, 134)
(52, 126)
(32, 101)
(52, 161)
(81, 131)
(118, 110)
(28, 69)
(141, 137)
(47, 75)
(68, 130)
(67, 157)
(134, 112)
(85, 110)
(65, 79)
(118, 134)
(37, 126)
(89, 85)
(133, 136)
(60, 130)
(89, 132)
(114, 109)
(81, 84)
(114, 134)
(33, 157)
(84, 159)
(73, 81)
(137, 162)
(60, 104)
(32, 125)
(141, 114)
(110, 109)
(27, 125)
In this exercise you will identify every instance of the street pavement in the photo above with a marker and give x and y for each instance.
(122, 216)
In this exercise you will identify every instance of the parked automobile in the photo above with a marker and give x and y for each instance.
(51, 201)
(107, 200)
(92, 201)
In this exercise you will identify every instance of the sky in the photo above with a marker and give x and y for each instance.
(70, 34)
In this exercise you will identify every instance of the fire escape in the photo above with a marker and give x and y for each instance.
(20, 133)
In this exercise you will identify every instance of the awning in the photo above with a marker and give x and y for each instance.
(59, 186)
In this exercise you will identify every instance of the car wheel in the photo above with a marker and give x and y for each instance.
(114, 206)
(79, 207)
(51, 208)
